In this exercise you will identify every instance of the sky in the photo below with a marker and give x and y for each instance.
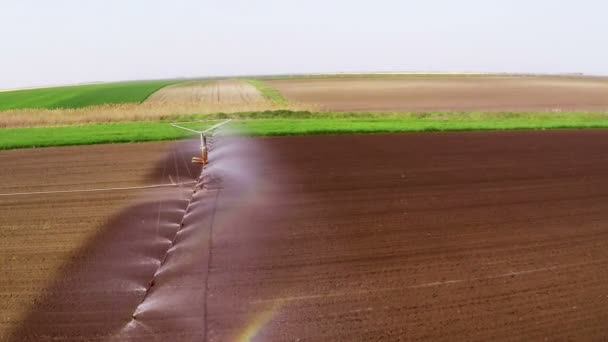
(77, 41)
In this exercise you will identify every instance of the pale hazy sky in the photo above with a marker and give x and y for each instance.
(68, 41)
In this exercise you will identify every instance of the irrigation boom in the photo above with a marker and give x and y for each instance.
(204, 158)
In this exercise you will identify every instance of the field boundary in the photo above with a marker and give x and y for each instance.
(268, 92)
(280, 123)
(155, 91)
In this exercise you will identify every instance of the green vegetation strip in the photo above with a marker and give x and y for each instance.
(297, 123)
(81, 95)
(268, 92)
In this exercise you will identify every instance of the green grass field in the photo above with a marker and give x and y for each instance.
(292, 123)
(81, 95)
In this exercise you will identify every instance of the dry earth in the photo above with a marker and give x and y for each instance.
(212, 92)
(449, 93)
(469, 236)
(43, 237)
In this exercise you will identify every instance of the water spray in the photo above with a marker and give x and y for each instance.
(202, 160)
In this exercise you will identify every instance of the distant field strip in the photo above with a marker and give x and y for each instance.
(299, 123)
(223, 96)
(170, 102)
(211, 93)
(81, 95)
(455, 93)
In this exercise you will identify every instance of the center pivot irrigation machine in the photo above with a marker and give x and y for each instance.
(204, 158)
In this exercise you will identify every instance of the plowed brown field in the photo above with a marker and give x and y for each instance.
(60, 253)
(467, 236)
(449, 93)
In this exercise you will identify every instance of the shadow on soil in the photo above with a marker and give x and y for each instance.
(111, 272)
